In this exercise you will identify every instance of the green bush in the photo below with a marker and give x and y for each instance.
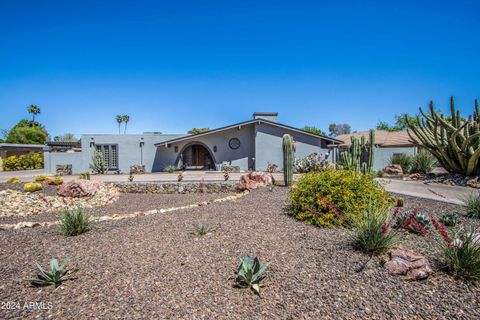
(32, 186)
(373, 234)
(404, 160)
(13, 180)
(335, 197)
(170, 169)
(450, 219)
(472, 205)
(85, 176)
(24, 162)
(54, 181)
(40, 178)
(423, 162)
(74, 222)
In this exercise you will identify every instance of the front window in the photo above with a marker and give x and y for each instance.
(110, 155)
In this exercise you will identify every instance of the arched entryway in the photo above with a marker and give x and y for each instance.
(196, 156)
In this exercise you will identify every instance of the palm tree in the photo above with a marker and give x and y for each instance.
(125, 119)
(119, 119)
(34, 110)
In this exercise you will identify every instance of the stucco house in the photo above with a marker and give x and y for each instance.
(387, 144)
(248, 145)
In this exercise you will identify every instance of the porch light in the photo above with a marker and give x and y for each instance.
(214, 148)
(176, 148)
(142, 143)
(92, 142)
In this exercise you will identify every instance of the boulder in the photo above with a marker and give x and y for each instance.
(253, 180)
(392, 171)
(408, 263)
(78, 188)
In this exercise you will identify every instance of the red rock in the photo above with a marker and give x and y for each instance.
(253, 180)
(394, 170)
(408, 263)
(78, 188)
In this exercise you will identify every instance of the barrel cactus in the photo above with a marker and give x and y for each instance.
(32, 187)
(288, 159)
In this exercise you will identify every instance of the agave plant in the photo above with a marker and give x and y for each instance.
(203, 229)
(56, 275)
(250, 273)
(450, 219)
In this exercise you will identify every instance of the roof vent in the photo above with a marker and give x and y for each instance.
(270, 116)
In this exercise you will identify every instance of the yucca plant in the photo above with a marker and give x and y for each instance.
(472, 205)
(250, 273)
(203, 229)
(74, 222)
(373, 234)
(462, 257)
(56, 275)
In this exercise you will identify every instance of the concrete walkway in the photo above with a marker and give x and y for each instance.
(24, 175)
(434, 191)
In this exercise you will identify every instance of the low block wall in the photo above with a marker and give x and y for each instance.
(185, 187)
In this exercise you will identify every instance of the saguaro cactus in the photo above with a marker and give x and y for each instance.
(454, 141)
(288, 159)
(353, 158)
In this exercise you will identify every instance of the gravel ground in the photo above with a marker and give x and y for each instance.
(127, 203)
(48, 190)
(153, 267)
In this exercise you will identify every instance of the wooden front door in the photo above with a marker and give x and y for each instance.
(199, 156)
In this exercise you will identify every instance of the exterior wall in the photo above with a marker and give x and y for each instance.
(129, 151)
(383, 155)
(242, 157)
(268, 146)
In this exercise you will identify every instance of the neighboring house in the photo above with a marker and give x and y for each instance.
(387, 144)
(15, 149)
(248, 145)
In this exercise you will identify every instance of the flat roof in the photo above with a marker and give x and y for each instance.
(20, 146)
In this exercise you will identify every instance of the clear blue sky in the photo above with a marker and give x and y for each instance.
(174, 65)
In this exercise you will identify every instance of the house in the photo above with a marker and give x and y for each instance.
(16, 149)
(248, 145)
(387, 144)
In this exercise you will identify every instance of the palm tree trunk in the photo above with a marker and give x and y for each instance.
(125, 132)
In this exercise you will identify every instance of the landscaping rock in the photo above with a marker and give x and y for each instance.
(78, 189)
(408, 263)
(451, 179)
(392, 171)
(253, 180)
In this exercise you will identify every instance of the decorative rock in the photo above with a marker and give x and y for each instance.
(253, 180)
(78, 188)
(408, 263)
(392, 171)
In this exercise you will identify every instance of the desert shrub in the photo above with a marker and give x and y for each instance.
(413, 221)
(373, 232)
(85, 176)
(472, 205)
(402, 159)
(55, 276)
(311, 163)
(74, 222)
(450, 219)
(423, 162)
(55, 181)
(335, 197)
(24, 162)
(13, 180)
(400, 202)
(462, 255)
(98, 165)
(170, 169)
(272, 167)
(32, 186)
(40, 178)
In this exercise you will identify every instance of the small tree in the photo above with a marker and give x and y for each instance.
(198, 130)
(27, 135)
(98, 164)
(337, 129)
(314, 130)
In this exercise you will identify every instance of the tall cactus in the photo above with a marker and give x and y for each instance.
(288, 159)
(454, 141)
(353, 158)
